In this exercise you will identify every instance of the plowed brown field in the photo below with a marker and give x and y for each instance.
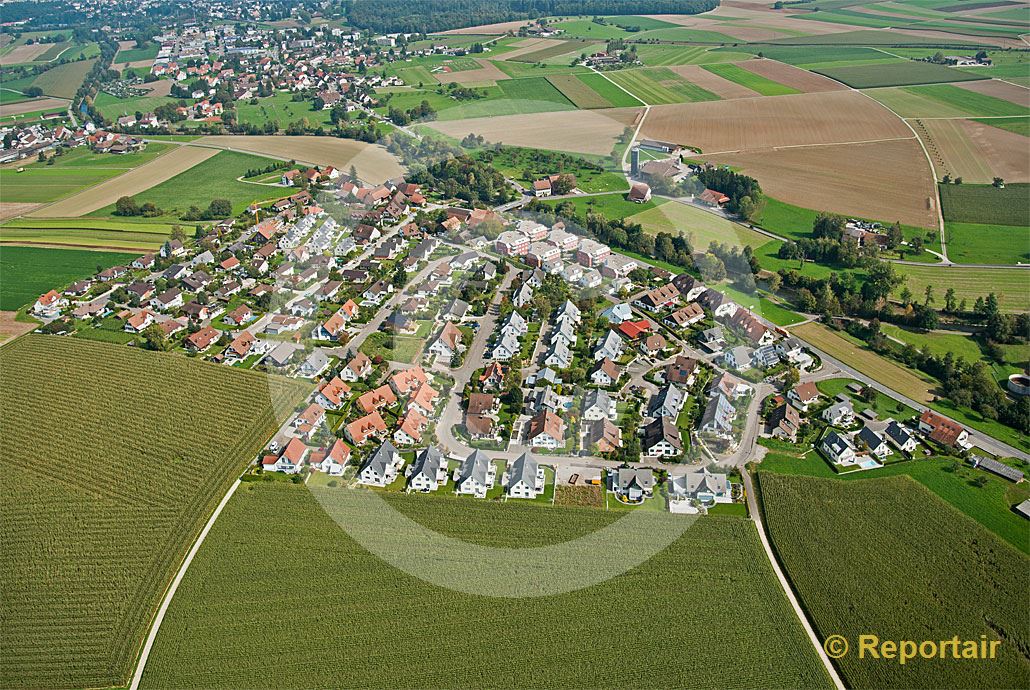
(763, 123)
(887, 180)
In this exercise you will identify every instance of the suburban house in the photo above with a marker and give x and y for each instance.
(633, 485)
(602, 436)
(682, 371)
(900, 437)
(546, 430)
(662, 439)
(49, 305)
(202, 339)
(506, 347)
(290, 460)
(428, 472)
(718, 417)
(408, 380)
(361, 430)
(685, 316)
(598, 404)
(876, 443)
(707, 488)
(377, 399)
(667, 402)
(358, 368)
(410, 427)
(840, 413)
(604, 373)
(333, 327)
(659, 298)
(448, 343)
(314, 364)
(492, 377)
(331, 462)
(838, 448)
(524, 478)
(381, 467)
(475, 476)
(803, 395)
(609, 346)
(331, 394)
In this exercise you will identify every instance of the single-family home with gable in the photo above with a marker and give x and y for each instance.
(332, 393)
(523, 296)
(202, 339)
(609, 346)
(707, 488)
(838, 448)
(407, 380)
(381, 467)
(604, 373)
(361, 430)
(597, 404)
(785, 421)
(632, 484)
(716, 302)
(682, 371)
(739, 357)
(410, 427)
(290, 461)
(333, 461)
(803, 395)
(524, 478)
(475, 476)
(840, 413)
(602, 436)
(515, 324)
(558, 356)
(617, 313)
(659, 298)
(314, 364)
(428, 472)
(546, 430)
(876, 443)
(900, 437)
(667, 402)
(662, 438)
(448, 343)
(685, 316)
(942, 430)
(358, 368)
(506, 347)
(718, 417)
(377, 399)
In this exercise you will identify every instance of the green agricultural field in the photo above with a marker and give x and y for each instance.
(281, 108)
(274, 530)
(660, 85)
(532, 89)
(895, 74)
(130, 237)
(820, 56)
(28, 272)
(970, 102)
(413, 75)
(136, 54)
(585, 28)
(528, 165)
(71, 172)
(608, 91)
(112, 107)
(64, 80)
(682, 34)
(982, 203)
(555, 51)
(656, 55)
(215, 178)
(611, 206)
(862, 569)
(702, 227)
(405, 98)
(755, 82)
(1019, 125)
(990, 504)
(112, 519)
(1011, 285)
(972, 243)
(581, 95)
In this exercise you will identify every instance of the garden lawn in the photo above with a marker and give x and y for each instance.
(28, 272)
(399, 348)
(750, 80)
(884, 405)
(215, 178)
(272, 530)
(887, 557)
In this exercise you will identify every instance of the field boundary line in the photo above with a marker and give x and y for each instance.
(808, 146)
(174, 585)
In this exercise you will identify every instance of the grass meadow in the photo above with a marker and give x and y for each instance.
(660, 85)
(375, 615)
(750, 80)
(112, 502)
(895, 74)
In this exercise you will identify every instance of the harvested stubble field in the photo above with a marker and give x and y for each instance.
(100, 515)
(276, 532)
(591, 132)
(799, 79)
(529, 45)
(974, 151)
(23, 53)
(886, 179)
(36, 104)
(374, 163)
(763, 123)
(864, 360)
(163, 168)
(920, 570)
